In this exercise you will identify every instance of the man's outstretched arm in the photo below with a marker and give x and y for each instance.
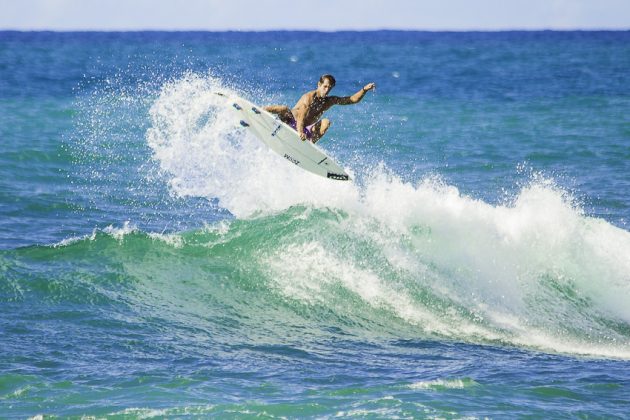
(354, 99)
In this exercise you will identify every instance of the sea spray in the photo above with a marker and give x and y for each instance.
(197, 141)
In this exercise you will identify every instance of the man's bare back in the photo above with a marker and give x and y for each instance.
(305, 117)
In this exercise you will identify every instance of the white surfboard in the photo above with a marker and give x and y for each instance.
(284, 140)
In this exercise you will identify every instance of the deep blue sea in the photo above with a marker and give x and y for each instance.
(158, 261)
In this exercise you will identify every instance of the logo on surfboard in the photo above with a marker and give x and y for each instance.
(292, 159)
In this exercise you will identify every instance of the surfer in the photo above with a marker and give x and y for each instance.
(305, 115)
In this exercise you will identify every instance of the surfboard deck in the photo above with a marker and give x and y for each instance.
(283, 139)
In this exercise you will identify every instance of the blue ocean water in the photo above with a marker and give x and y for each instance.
(158, 261)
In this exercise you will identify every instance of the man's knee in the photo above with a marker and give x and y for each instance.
(325, 124)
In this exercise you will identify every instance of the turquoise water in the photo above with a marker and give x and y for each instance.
(158, 261)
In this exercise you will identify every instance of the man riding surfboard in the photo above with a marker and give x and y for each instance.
(305, 115)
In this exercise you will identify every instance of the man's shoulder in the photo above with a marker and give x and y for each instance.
(308, 97)
(310, 94)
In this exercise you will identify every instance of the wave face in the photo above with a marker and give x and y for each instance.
(406, 259)
(435, 264)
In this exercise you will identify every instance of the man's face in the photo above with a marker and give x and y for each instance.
(323, 88)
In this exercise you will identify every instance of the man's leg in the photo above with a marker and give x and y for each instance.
(282, 111)
(319, 129)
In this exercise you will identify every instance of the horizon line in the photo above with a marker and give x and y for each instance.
(78, 30)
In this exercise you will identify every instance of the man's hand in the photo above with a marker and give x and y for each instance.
(369, 87)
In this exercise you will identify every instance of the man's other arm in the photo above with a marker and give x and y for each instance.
(354, 99)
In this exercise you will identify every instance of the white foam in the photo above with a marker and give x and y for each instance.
(510, 261)
(535, 272)
(444, 384)
(319, 268)
(121, 232)
(72, 240)
(174, 240)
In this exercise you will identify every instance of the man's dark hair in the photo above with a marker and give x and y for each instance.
(330, 78)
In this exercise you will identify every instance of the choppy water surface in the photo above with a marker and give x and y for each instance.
(158, 261)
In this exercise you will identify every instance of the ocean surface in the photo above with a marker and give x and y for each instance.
(157, 261)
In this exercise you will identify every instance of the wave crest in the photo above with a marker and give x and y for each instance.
(401, 258)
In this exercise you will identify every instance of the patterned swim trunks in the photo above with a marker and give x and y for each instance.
(307, 130)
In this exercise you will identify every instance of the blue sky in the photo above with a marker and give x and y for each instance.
(324, 15)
